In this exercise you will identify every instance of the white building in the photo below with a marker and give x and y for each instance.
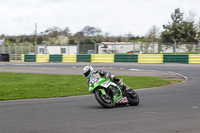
(57, 49)
(117, 47)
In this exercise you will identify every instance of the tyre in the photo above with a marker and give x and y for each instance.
(105, 101)
(133, 99)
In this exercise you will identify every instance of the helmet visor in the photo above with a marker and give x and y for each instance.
(87, 73)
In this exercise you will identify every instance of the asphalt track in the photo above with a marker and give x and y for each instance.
(169, 109)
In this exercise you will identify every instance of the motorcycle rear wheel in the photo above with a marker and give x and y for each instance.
(105, 101)
(133, 99)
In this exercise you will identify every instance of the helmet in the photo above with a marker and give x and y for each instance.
(87, 71)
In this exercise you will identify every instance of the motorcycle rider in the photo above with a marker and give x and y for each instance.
(88, 71)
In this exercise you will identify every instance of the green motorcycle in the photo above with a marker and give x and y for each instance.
(108, 93)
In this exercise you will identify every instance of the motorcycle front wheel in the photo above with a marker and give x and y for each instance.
(105, 101)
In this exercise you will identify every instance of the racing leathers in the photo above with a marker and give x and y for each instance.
(114, 79)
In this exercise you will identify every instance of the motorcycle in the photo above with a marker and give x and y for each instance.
(108, 93)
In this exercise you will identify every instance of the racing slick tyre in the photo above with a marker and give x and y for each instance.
(133, 99)
(105, 101)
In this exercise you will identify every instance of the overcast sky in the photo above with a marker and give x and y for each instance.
(117, 17)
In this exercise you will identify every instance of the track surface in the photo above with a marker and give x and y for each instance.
(168, 109)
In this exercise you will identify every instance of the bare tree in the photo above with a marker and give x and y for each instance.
(91, 31)
(66, 32)
(79, 36)
(191, 16)
(53, 32)
(153, 34)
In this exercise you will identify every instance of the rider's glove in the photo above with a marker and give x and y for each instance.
(107, 75)
(101, 72)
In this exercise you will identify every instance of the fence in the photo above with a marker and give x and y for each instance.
(139, 47)
(86, 48)
(16, 50)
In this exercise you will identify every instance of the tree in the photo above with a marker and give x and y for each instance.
(54, 31)
(88, 41)
(2, 36)
(79, 36)
(39, 40)
(198, 29)
(91, 31)
(21, 39)
(27, 39)
(71, 41)
(12, 39)
(61, 40)
(173, 30)
(153, 34)
(189, 32)
(33, 39)
(191, 16)
(134, 38)
(179, 29)
(66, 32)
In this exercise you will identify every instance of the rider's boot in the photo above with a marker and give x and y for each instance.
(127, 88)
(122, 84)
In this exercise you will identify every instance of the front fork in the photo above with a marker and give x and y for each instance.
(102, 92)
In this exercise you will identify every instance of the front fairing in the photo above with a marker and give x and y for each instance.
(96, 81)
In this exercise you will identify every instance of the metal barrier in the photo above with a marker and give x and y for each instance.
(111, 58)
(175, 59)
(4, 57)
(84, 58)
(42, 58)
(148, 58)
(55, 58)
(69, 58)
(126, 58)
(194, 58)
(29, 58)
(102, 58)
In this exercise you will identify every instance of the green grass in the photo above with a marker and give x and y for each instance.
(27, 86)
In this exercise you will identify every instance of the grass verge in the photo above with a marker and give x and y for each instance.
(27, 86)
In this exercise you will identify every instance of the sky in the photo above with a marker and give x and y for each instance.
(116, 17)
